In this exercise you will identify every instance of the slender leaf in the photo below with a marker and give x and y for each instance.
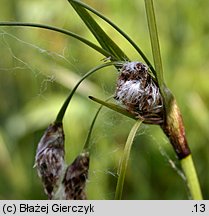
(114, 107)
(67, 101)
(105, 41)
(60, 30)
(119, 30)
(125, 159)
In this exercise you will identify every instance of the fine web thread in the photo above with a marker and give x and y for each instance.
(21, 64)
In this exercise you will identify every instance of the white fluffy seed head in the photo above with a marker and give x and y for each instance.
(130, 90)
(138, 92)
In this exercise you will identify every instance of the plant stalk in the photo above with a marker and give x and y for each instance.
(173, 125)
(87, 146)
(191, 176)
(154, 41)
(62, 111)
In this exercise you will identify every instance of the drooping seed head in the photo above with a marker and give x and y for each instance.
(49, 159)
(139, 93)
(75, 178)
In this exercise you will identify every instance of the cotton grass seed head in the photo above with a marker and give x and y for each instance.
(139, 93)
(49, 159)
(75, 178)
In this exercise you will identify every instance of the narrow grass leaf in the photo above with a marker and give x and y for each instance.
(67, 101)
(125, 159)
(105, 41)
(60, 30)
(114, 107)
(137, 48)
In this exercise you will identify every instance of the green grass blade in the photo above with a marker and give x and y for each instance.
(137, 48)
(114, 107)
(60, 30)
(105, 41)
(125, 159)
(67, 101)
(120, 110)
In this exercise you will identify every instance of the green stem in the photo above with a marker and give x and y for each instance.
(166, 93)
(191, 176)
(154, 42)
(87, 142)
(67, 101)
(125, 159)
(63, 31)
(173, 123)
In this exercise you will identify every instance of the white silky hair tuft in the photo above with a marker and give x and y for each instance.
(137, 90)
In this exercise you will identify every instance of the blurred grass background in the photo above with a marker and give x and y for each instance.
(39, 67)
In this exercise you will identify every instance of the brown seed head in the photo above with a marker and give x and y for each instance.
(75, 178)
(50, 158)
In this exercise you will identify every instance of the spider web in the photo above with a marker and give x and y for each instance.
(23, 64)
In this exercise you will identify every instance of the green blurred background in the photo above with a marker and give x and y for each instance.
(39, 67)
